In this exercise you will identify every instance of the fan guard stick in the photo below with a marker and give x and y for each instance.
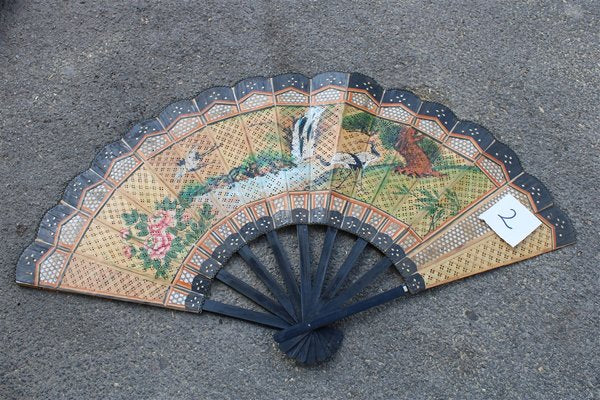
(329, 318)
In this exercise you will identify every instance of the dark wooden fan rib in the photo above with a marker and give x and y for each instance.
(285, 267)
(261, 272)
(319, 347)
(331, 339)
(298, 348)
(305, 269)
(254, 295)
(243, 313)
(324, 259)
(360, 284)
(290, 345)
(308, 354)
(326, 341)
(344, 270)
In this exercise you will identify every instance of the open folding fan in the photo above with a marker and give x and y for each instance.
(159, 213)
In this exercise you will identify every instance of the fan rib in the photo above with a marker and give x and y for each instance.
(360, 284)
(242, 313)
(319, 348)
(261, 272)
(331, 339)
(324, 259)
(285, 267)
(299, 348)
(287, 345)
(311, 355)
(308, 344)
(345, 268)
(254, 295)
(305, 270)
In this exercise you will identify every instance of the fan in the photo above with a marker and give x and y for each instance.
(159, 213)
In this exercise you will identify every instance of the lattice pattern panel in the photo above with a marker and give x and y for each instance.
(254, 101)
(230, 137)
(94, 197)
(51, 268)
(327, 134)
(328, 95)
(107, 246)
(70, 231)
(431, 128)
(368, 183)
(491, 252)
(397, 114)
(185, 126)
(464, 147)
(390, 195)
(112, 212)
(493, 169)
(261, 129)
(122, 168)
(86, 276)
(363, 100)
(292, 97)
(219, 111)
(146, 188)
(473, 185)
(174, 167)
(204, 155)
(152, 144)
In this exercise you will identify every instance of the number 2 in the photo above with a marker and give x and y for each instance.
(505, 218)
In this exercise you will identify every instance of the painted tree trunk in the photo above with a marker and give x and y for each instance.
(417, 162)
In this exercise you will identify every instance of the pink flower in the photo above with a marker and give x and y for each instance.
(155, 229)
(127, 251)
(186, 217)
(125, 233)
(161, 221)
(160, 245)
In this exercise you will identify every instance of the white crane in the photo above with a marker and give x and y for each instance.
(353, 162)
(193, 161)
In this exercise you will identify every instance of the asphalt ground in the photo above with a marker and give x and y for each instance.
(75, 75)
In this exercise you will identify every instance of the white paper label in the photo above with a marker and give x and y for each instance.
(511, 220)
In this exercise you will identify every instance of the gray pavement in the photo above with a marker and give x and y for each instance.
(75, 75)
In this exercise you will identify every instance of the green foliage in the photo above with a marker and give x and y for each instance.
(430, 147)
(142, 228)
(205, 212)
(360, 122)
(445, 164)
(403, 190)
(251, 166)
(130, 218)
(287, 159)
(366, 123)
(388, 133)
(190, 192)
(453, 202)
(268, 160)
(166, 204)
(437, 206)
